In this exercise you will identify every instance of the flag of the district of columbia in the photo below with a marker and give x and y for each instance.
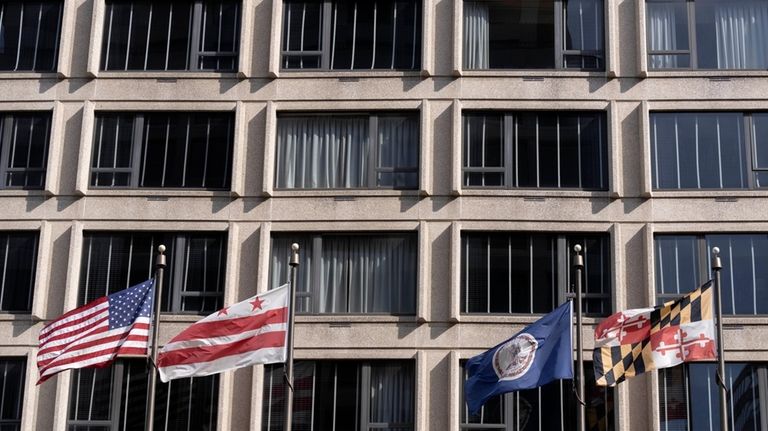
(535, 356)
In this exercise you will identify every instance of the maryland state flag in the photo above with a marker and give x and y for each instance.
(635, 341)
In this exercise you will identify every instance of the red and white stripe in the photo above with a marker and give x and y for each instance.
(237, 336)
(81, 338)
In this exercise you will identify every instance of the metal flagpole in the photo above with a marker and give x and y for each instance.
(578, 264)
(159, 269)
(289, 342)
(716, 267)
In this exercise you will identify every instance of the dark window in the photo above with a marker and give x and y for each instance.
(24, 149)
(707, 34)
(163, 150)
(549, 407)
(12, 371)
(689, 397)
(683, 264)
(193, 279)
(349, 34)
(709, 150)
(115, 398)
(347, 151)
(360, 273)
(18, 260)
(531, 273)
(29, 35)
(342, 396)
(535, 150)
(171, 35)
(533, 34)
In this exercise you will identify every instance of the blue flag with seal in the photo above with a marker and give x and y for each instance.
(538, 354)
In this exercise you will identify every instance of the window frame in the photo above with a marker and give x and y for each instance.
(118, 393)
(372, 161)
(692, 51)
(748, 144)
(56, 44)
(194, 55)
(325, 35)
(364, 369)
(562, 266)
(315, 253)
(139, 133)
(559, 48)
(176, 274)
(509, 409)
(509, 144)
(5, 361)
(35, 236)
(8, 119)
(760, 368)
(703, 267)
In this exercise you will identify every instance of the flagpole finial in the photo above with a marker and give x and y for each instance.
(161, 248)
(577, 248)
(294, 255)
(716, 263)
(160, 259)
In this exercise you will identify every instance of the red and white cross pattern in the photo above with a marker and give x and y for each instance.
(683, 343)
(627, 327)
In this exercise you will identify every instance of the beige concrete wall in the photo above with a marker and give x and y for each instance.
(438, 336)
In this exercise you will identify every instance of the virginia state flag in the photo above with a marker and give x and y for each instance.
(538, 354)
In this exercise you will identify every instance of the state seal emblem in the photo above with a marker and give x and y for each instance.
(514, 358)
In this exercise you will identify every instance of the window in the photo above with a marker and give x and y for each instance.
(707, 34)
(347, 151)
(504, 272)
(354, 273)
(535, 150)
(171, 35)
(533, 34)
(349, 34)
(709, 150)
(193, 280)
(683, 264)
(689, 396)
(115, 399)
(342, 396)
(549, 407)
(163, 150)
(18, 262)
(24, 149)
(29, 35)
(12, 372)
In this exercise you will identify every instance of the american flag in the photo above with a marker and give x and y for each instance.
(94, 334)
(240, 335)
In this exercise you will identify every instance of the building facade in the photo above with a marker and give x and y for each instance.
(436, 160)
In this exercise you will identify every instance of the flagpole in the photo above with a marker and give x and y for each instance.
(152, 369)
(716, 267)
(578, 264)
(294, 263)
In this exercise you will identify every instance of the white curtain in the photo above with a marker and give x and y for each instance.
(368, 274)
(476, 35)
(392, 389)
(398, 150)
(742, 34)
(662, 33)
(321, 152)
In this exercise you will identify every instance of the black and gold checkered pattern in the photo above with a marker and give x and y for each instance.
(614, 364)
